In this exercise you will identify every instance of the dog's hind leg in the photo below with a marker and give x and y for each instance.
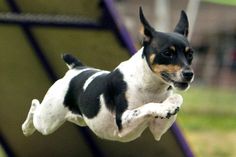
(49, 116)
(76, 119)
(28, 126)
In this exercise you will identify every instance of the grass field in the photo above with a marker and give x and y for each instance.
(208, 120)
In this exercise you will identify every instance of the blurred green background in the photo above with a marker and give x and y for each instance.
(208, 121)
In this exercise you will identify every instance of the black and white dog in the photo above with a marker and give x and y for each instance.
(120, 104)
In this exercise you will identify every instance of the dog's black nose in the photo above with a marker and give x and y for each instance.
(187, 75)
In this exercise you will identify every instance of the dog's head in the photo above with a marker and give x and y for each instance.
(169, 55)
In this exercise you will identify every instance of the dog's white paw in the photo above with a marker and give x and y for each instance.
(171, 106)
(171, 110)
(28, 128)
(174, 99)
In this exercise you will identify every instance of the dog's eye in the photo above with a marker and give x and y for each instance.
(189, 55)
(169, 53)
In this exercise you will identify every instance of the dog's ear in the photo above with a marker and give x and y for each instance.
(182, 26)
(147, 30)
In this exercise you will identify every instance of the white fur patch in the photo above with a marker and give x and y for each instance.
(91, 78)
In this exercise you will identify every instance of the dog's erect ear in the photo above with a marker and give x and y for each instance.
(147, 29)
(182, 26)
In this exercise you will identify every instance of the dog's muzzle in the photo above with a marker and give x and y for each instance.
(183, 81)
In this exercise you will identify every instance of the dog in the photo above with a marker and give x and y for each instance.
(119, 105)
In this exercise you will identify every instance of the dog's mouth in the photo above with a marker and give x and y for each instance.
(176, 84)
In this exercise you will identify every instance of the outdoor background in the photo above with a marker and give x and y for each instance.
(208, 115)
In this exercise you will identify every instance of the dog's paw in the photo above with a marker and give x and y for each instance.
(172, 112)
(171, 106)
(28, 128)
(168, 111)
(174, 99)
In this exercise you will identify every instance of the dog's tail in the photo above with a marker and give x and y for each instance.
(71, 61)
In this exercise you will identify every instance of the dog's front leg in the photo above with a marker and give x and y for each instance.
(138, 119)
(159, 126)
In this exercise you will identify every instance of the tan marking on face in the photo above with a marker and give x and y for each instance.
(157, 68)
(187, 49)
(172, 48)
(151, 58)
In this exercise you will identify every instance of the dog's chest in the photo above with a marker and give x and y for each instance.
(137, 96)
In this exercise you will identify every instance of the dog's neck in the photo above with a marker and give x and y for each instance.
(137, 70)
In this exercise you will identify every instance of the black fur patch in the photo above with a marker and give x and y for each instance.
(89, 102)
(164, 55)
(75, 89)
(115, 95)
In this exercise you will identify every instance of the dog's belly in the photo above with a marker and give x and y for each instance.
(104, 126)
